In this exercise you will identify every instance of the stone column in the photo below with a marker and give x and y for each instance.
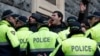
(34, 6)
(61, 6)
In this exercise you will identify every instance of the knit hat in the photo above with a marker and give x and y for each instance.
(7, 13)
(23, 19)
(36, 16)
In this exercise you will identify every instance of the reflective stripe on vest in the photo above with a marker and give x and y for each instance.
(23, 49)
(42, 49)
(79, 55)
(4, 43)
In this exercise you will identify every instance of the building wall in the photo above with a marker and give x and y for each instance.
(26, 7)
(22, 7)
(45, 7)
(72, 7)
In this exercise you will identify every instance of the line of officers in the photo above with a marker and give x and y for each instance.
(36, 36)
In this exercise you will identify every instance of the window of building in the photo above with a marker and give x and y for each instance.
(52, 1)
(46, 16)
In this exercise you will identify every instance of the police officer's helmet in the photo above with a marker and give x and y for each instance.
(43, 20)
(23, 19)
(71, 19)
(95, 14)
(7, 13)
(75, 27)
(36, 16)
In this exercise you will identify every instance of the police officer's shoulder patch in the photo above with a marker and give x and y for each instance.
(13, 32)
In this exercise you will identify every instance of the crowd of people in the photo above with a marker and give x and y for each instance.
(37, 36)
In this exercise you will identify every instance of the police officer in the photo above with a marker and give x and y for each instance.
(9, 44)
(63, 34)
(22, 33)
(42, 42)
(32, 23)
(93, 32)
(77, 44)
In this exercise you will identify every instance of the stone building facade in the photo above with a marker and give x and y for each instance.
(22, 7)
(72, 7)
(26, 7)
(46, 7)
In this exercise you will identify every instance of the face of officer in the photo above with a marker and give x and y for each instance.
(12, 20)
(93, 20)
(32, 20)
(55, 19)
(19, 23)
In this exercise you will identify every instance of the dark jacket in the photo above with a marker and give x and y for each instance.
(58, 28)
(33, 27)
